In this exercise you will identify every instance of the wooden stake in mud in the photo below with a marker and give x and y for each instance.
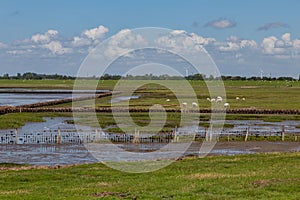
(247, 133)
(136, 138)
(206, 134)
(16, 136)
(282, 134)
(58, 136)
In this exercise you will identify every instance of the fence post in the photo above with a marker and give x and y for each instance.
(136, 136)
(247, 133)
(210, 133)
(175, 139)
(282, 133)
(16, 136)
(206, 134)
(58, 136)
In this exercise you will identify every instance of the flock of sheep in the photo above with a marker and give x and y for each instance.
(219, 99)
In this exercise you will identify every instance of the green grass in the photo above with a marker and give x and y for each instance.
(257, 94)
(105, 120)
(16, 120)
(258, 176)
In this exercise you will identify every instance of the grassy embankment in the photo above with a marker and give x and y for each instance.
(258, 176)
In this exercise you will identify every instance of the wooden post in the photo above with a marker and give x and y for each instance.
(210, 134)
(206, 134)
(247, 133)
(282, 134)
(16, 136)
(175, 139)
(228, 137)
(58, 136)
(97, 137)
(136, 136)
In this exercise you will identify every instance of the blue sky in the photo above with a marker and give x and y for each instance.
(270, 30)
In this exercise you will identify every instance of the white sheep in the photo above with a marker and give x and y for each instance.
(243, 98)
(194, 105)
(226, 105)
(208, 99)
(213, 100)
(167, 100)
(237, 98)
(219, 99)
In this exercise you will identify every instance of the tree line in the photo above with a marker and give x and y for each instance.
(36, 76)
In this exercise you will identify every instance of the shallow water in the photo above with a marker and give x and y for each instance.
(61, 154)
(17, 99)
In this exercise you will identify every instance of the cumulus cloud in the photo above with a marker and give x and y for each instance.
(90, 36)
(180, 40)
(221, 23)
(234, 43)
(122, 42)
(280, 46)
(44, 38)
(272, 25)
(3, 46)
(96, 33)
(56, 48)
(80, 41)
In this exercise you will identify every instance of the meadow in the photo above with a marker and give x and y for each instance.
(253, 176)
(257, 176)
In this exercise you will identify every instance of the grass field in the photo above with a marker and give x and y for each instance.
(257, 94)
(258, 176)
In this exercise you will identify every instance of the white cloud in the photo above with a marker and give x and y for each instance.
(234, 43)
(96, 33)
(44, 38)
(122, 42)
(275, 46)
(3, 46)
(19, 51)
(90, 36)
(221, 23)
(56, 48)
(80, 41)
(179, 40)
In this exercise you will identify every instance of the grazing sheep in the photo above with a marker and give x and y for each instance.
(237, 98)
(226, 105)
(219, 99)
(167, 100)
(243, 98)
(213, 100)
(194, 105)
(208, 99)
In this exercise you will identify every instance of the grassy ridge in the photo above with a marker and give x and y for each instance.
(16, 120)
(259, 176)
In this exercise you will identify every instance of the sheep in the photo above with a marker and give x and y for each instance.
(237, 98)
(208, 99)
(226, 105)
(167, 100)
(213, 100)
(194, 105)
(243, 98)
(219, 99)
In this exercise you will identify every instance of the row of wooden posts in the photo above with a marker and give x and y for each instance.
(55, 136)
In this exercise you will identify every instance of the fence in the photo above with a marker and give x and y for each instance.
(64, 136)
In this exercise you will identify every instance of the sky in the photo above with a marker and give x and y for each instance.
(244, 38)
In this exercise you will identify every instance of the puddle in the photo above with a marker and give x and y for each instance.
(124, 98)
